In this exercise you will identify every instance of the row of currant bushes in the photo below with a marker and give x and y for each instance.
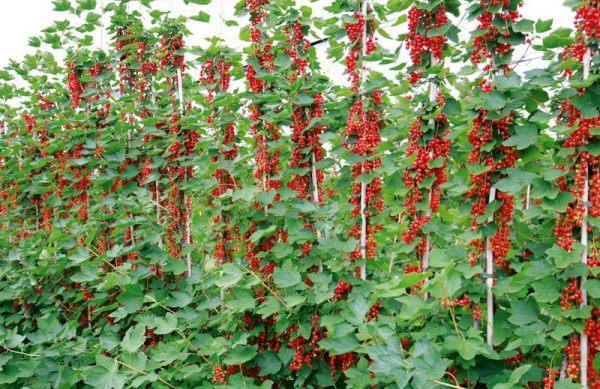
(176, 216)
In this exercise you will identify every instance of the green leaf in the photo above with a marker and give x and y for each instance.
(61, 5)
(243, 301)
(438, 258)
(563, 258)
(134, 338)
(269, 363)
(283, 61)
(259, 234)
(342, 345)
(303, 99)
(593, 288)
(165, 325)
(87, 4)
(286, 276)
(525, 136)
(514, 378)
(558, 38)
(439, 30)
(516, 181)
(493, 101)
(388, 360)
(266, 198)
(523, 312)
(466, 348)
(548, 290)
(201, 17)
(179, 299)
(80, 254)
(132, 297)
(231, 274)
(543, 25)
(246, 194)
(359, 307)
(559, 203)
(508, 81)
(241, 354)
(523, 25)
(103, 378)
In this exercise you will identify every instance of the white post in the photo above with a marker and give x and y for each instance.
(363, 231)
(188, 233)
(315, 181)
(363, 185)
(432, 99)
(180, 90)
(315, 192)
(489, 269)
(583, 350)
(528, 197)
(264, 182)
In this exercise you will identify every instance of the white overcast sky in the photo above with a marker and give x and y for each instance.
(21, 19)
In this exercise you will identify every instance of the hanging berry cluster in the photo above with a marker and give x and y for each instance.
(267, 161)
(215, 77)
(307, 149)
(493, 48)
(266, 157)
(581, 176)
(428, 145)
(421, 24)
(133, 47)
(363, 133)
(183, 145)
(583, 167)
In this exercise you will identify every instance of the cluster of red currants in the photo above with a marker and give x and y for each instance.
(74, 86)
(418, 39)
(362, 129)
(492, 40)
(483, 132)
(571, 293)
(341, 290)
(587, 19)
(515, 358)
(302, 355)
(550, 380)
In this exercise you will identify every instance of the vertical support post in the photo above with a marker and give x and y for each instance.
(363, 185)
(489, 269)
(583, 350)
(315, 195)
(432, 99)
(188, 234)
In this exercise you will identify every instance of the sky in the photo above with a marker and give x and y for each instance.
(22, 19)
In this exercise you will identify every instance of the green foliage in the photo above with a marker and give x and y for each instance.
(97, 201)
